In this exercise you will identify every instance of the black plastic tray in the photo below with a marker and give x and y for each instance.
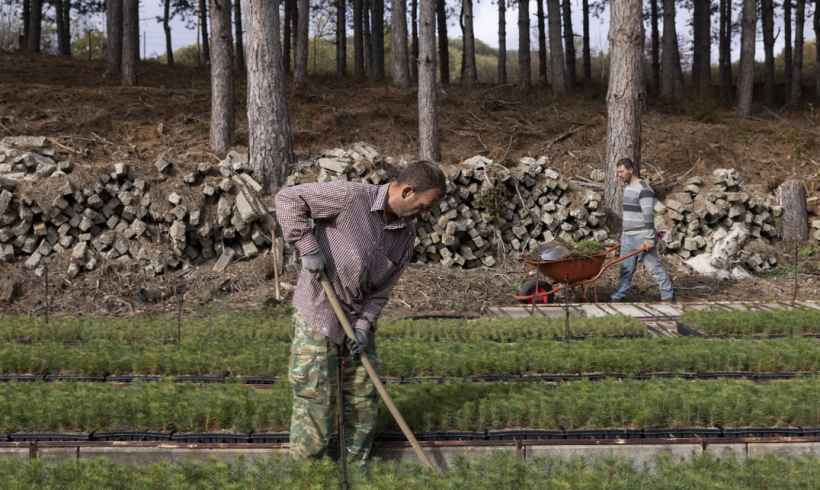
(75, 377)
(255, 380)
(20, 436)
(130, 378)
(451, 436)
(22, 377)
(508, 435)
(597, 434)
(128, 435)
(273, 438)
(762, 432)
(212, 438)
(199, 379)
(681, 433)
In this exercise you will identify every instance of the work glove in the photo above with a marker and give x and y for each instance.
(314, 262)
(361, 337)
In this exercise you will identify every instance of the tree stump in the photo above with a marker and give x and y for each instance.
(794, 223)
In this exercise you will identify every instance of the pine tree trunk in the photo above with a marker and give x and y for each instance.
(470, 69)
(428, 118)
(240, 45)
(300, 61)
(587, 56)
(67, 30)
(294, 28)
(557, 71)
(542, 44)
(287, 35)
(569, 50)
(787, 50)
(400, 68)
(59, 19)
(443, 43)
(358, 39)
(625, 98)
(114, 27)
(377, 38)
(678, 67)
(797, 64)
(222, 92)
(794, 224)
(706, 44)
(463, 37)
(817, 51)
(670, 83)
(502, 41)
(169, 50)
(368, 45)
(341, 39)
(697, 25)
(27, 25)
(270, 143)
(767, 8)
(524, 73)
(727, 56)
(656, 48)
(35, 26)
(723, 38)
(747, 57)
(130, 23)
(203, 22)
(414, 62)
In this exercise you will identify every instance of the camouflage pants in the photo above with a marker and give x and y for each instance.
(312, 374)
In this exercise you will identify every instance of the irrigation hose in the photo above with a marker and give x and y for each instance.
(371, 371)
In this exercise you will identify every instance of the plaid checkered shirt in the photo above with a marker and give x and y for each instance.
(365, 254)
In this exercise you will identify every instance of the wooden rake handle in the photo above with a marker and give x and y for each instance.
(371, 371)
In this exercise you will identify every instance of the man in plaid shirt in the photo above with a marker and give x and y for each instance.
(363, 239)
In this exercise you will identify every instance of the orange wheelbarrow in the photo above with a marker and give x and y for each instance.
(571, 273)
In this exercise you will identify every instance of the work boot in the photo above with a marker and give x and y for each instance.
(673, 299)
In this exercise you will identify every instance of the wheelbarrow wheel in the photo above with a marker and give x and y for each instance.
(530, 289)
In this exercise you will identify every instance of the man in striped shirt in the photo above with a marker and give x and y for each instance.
(639, 231)
(363, 238)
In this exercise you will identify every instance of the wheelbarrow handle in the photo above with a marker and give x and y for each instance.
(371, 371)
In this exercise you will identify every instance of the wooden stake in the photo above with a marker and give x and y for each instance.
(275, 251)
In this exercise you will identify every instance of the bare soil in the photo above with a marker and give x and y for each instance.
(94, 122)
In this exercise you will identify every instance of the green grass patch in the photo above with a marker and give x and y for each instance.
(714, 321)
(419, 358)
(253, 326)
(455, 406)
(499, 472)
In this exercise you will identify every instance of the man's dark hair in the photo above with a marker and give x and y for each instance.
(626, 163)
(423, 176)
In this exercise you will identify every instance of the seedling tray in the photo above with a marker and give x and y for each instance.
(49, 437)
(22, 377)
(212, 438)
(131, 378)
(508, 435)
(451, 436)
(75, 377)
(128, 435)
(255, 380)
(681, 433)
(272, 438)
(762, 432)
(597, 434)
(199, 379)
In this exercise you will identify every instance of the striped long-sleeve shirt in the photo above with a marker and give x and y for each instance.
(639, 209)
(365, 253)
